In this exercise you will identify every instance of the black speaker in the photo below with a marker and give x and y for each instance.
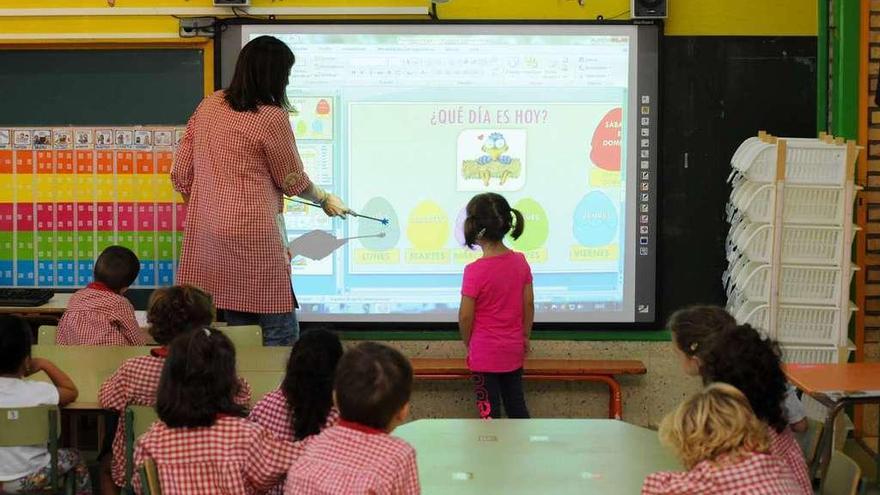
(648, 9)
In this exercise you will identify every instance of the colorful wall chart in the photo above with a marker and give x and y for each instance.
(66, 194)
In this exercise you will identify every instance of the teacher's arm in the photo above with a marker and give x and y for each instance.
(286, 166)
(182, 170)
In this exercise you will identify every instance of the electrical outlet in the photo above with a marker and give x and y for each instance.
(190, 27)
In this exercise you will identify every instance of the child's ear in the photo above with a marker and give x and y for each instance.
(403, 413)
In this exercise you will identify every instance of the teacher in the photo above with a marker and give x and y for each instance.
(236, 160)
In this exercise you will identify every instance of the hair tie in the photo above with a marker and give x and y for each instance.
(694, 346)
(207, 332)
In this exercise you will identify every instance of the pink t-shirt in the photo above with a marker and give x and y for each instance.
(496, 284)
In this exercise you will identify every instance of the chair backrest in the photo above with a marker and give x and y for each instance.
(150, 478)
(843, 476)
(244, 335)
(809, 440)
(46, 334)
(142, 417)
(21, 426)
(38, 425)
(138, 420)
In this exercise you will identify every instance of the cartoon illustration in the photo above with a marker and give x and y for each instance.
(494, 163)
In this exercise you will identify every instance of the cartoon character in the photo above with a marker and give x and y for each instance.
(495, 163)
(495, 147)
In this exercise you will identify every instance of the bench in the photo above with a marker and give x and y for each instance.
(571, 370)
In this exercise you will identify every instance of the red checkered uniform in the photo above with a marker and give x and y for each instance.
(757, 474)
(353, 459)
(135, 383)
(785, 446)
(234, 166)
(98, 316)
(234, 456)
(273, 413)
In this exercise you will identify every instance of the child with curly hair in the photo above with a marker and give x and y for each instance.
(723, 446)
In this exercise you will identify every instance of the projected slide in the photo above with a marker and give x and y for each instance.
(408, 127)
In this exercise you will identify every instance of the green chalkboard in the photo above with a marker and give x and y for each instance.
(100, 86)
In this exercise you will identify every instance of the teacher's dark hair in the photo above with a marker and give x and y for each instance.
(261, 75)
(198, 381)
(308, 383)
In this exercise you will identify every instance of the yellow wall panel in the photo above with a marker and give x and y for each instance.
(7, 188)
(743, 17)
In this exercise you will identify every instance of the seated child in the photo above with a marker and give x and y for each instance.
(742, 357)
(26, 468)
(172, 311)
(724, 448)
(691, 326)
(98, 314)
(303, 406)
(358, 456)
(203, 443)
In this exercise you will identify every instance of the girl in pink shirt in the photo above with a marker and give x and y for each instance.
(497, 307)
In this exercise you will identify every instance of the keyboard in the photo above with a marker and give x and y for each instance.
(25, 297)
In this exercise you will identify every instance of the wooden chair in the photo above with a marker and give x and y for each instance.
(150, 478)
(46, 334)
(809, 440)
(138, 420)
(38, 425)
(842, 477)
(244, 335)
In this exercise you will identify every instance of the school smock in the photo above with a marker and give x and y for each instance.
(234, 167)
(96, 315)
(232, 456)
(135, 383)
(274, 413)
(756, 474)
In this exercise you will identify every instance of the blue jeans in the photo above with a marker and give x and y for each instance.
(279, 329)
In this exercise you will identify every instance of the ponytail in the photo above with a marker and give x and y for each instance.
(518, 225)
(308, 382)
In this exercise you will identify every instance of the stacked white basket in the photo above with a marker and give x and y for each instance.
(790, 243)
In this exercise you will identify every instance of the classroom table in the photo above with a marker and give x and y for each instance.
(55, 307)
(836, 386)
(88, 367)
(514, 456)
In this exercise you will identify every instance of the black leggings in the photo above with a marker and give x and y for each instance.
(494, 388)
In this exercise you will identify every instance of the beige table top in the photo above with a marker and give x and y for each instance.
(536, 456)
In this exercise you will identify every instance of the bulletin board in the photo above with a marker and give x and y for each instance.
(67, 193)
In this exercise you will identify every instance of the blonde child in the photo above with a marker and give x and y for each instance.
(172, 311)
(203, 443)
(99, 314)
(723, 446)
(26, 468)
(358, 456)
(303, 406)
(497, 307)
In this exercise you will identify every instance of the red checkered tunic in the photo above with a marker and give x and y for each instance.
(234, 456)
(784, 445)
(757, 474)
(353, 459)
(98, 316)
(273, 413)
(135, 383)
(234, 166)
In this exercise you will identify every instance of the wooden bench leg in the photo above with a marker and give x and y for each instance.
(615, 401)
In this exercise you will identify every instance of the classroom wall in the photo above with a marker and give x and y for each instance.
(711, 47)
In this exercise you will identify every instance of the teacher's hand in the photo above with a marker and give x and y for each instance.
(334, 207)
